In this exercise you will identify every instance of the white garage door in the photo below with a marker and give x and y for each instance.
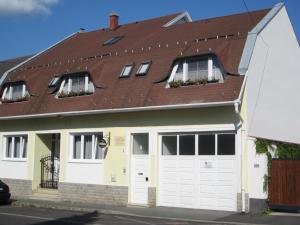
(198, 171)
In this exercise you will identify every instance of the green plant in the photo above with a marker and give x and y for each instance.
(278, 150)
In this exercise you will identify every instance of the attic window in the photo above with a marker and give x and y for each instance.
(54, 81)
(76, 85)
(126, 70)
(144, 68)
(113, 40)
(15, 92)
(196, 70)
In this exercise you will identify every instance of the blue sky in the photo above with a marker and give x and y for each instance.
(30, 26)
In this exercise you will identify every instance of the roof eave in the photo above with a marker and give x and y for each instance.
(122, 110)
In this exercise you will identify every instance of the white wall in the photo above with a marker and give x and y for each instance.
(12, 169)
(273, 84)
(257, 169)
(86, 173)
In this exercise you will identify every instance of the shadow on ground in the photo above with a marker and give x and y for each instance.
(82, 219)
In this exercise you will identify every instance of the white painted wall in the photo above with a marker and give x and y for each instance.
(12, 169)
(257, 169)
(86, 173)
(273, 82)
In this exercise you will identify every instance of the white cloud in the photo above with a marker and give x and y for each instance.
(19, 7)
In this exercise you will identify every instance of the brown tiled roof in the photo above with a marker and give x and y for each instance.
(10, 63)
(145, 40)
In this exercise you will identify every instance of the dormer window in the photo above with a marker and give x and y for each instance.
(15, 92)
(76, 85)
(54, 81)
(196, 70)
(144, 68)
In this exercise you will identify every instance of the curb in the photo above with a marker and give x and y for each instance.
(48, 205)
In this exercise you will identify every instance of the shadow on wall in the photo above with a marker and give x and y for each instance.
(82, 219)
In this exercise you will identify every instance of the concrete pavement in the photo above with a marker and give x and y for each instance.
(165, 213)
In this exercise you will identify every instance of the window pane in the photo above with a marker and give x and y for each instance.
(9, 147)
(217, 73)
(187, 145)
(17, 92)
(126, 70)
(198, 69)
(206, 144)
(17, 147)
(140, 144)
(179, 72)
(226, 144)
(169, 145)
(143, 68)
(88, 147)
(76, 148)
(24, 147)
(78, 84)
(99, 151)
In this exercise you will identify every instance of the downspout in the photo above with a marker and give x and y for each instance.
(237, 104)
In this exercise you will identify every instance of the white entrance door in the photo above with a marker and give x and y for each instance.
(140, 168)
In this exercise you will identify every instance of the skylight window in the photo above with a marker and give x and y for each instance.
(126, 71)
(144, 68)
(54, 81)
(113, 40)
(15, 92)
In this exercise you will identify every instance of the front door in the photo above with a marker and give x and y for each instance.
(50, 165)
(140, 168)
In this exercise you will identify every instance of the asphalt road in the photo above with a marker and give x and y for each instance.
(10, 215)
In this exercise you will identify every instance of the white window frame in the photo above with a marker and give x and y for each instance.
(7, 93)
(12, 158)
(196, 134)
(185, 70)
(94, 147)
(69, 83)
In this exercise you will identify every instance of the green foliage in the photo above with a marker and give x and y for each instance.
(277, 149)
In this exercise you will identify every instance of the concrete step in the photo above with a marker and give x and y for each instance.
(45, 194)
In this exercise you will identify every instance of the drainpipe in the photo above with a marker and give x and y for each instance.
(237, 104)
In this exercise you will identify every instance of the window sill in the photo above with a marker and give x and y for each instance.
(14, 160)
(177, 84)
(88, 161)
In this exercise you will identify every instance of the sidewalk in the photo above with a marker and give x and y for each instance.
(206, 216)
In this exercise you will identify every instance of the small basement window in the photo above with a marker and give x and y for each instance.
(196, 70)
(15, 92)
(144, 68)
(76, 85)
(126, 71)
(113, 40)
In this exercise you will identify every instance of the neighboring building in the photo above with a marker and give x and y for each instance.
(160, 112)
(10, 63)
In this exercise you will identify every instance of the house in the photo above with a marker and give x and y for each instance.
(161, 112)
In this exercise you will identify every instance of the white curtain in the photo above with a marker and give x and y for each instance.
(17, 91)
(17, 150)
(198, 70)
(9, 147)
(88, 146)
(76, 150)
(78, 84)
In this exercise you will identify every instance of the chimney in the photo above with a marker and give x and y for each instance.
(114, 21)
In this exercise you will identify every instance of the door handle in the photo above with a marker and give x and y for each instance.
(140, 174)
(147, 178)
